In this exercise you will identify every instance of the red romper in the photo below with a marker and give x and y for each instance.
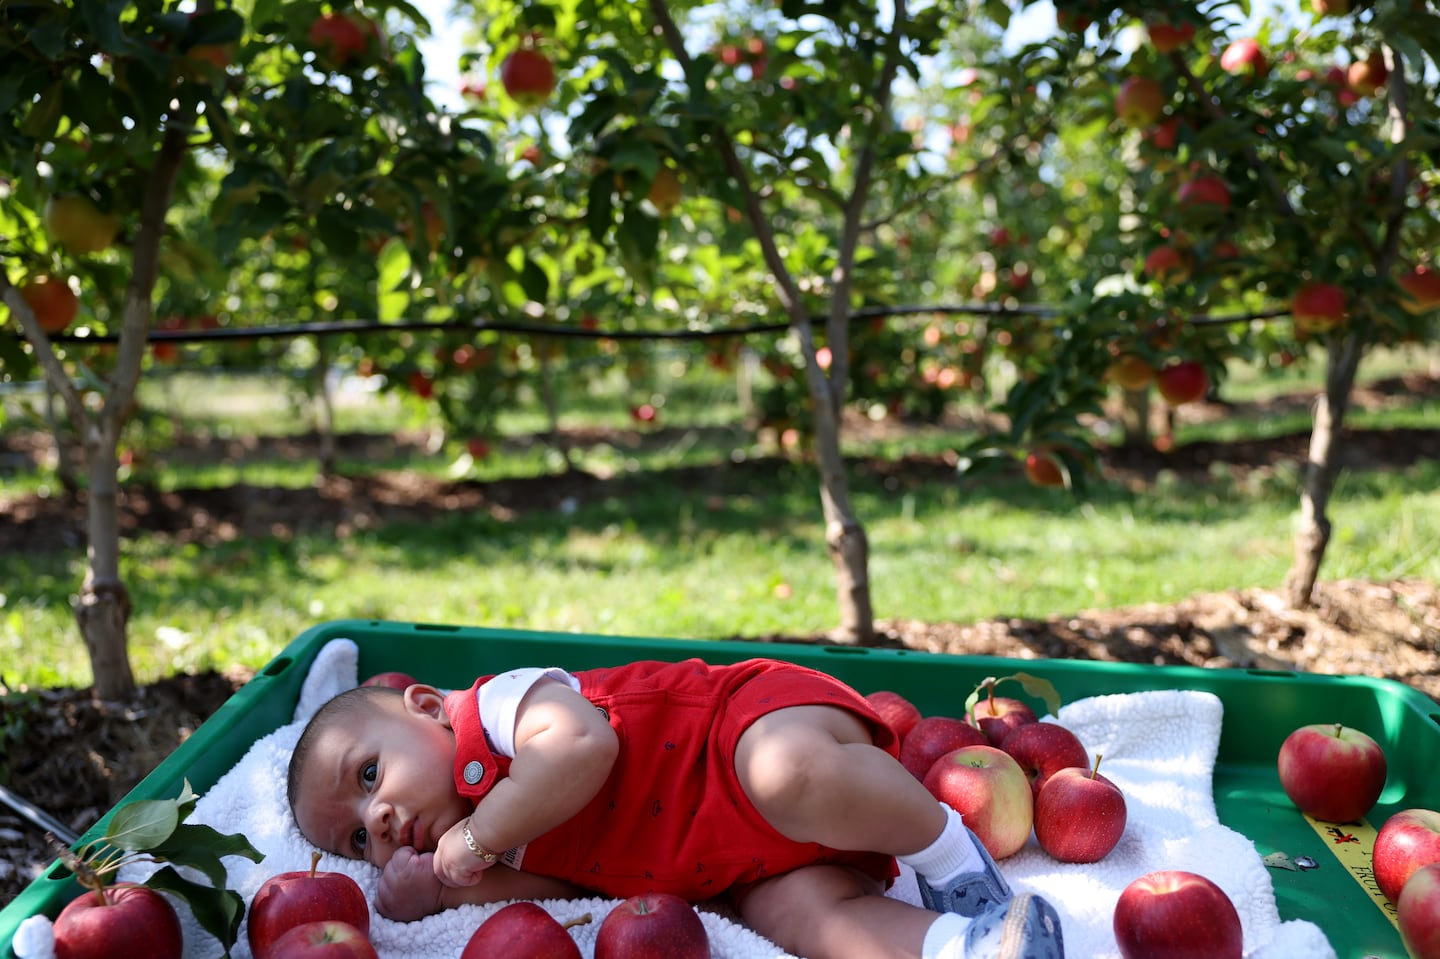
(672, 816)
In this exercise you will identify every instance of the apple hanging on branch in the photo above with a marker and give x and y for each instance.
(151, 830)
(528, 77)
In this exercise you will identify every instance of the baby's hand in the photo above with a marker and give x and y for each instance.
(409, 889)
(455, 864)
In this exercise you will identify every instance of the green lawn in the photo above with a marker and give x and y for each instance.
(743, 556)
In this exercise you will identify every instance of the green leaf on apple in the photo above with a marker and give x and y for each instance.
(1041, 689)
(218, 911)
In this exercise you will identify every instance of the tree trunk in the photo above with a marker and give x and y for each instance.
(1135, 418)
(844, 537)
(102, 609)
(324, 408)
(1312, 535)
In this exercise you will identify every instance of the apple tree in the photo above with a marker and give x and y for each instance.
(146, 141)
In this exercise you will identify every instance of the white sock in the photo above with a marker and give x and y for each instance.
(945, 939)
(952, 854)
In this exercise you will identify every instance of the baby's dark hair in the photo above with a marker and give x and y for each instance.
(361, 699)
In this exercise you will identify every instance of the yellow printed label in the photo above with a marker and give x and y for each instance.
(1353, 843)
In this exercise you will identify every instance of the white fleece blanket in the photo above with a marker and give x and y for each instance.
(1159, 747)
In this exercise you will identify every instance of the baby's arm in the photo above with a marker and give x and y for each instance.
(410, 890)
(564, 751)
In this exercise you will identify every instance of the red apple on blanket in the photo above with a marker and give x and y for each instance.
(933, 737)
(899, 713)
(393, 679)
(125, 919)
(290, 899)
(1419, 913)
(1176, 915)
(652, 926)
(522, 930)
(1043, 749)
(991, 792)
(1332, 772)
(1079, 814)
(997, 716)
(326, 939)
(1406, 841)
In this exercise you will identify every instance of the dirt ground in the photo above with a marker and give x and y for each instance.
(74, 757)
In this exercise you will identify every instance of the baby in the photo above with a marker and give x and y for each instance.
(769, 784)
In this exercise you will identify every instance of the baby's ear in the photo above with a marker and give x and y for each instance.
(426, 701)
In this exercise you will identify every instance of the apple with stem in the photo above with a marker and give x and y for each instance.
(1418, 913)
(652, 926)
(1079, 814)
(1407, 841)
(523, 930)
(124, 919)
(997, 716)
(1043, 749)
(990, 790)
(291, 899)
(1173, 914)
(933, 737)
(899, 713)
(324, 939)
(1331, 772)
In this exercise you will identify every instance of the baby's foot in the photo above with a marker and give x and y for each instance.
(1027, 927)
(971, 893)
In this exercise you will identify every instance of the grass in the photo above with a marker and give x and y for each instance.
(742, 556)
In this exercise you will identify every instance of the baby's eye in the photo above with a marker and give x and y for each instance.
(368, 773)
(358, 840)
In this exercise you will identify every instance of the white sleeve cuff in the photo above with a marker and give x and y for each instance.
(499, 699)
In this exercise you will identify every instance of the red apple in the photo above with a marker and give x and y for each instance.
(1317, 307)
(521, 930)
(528, 76)
(327, 939)
(933, 737)
(1244, 58)
(1042, 470)
(342, 38)
(391, 678)
(1206, 192)
(125, 919)
(1167, 264)
(996, 716)
(1406, 841)
(1419, 913)
(1165, 37)
(1139, 101)
(52, 301)
(1332, 772)
(1368, 75)
(1183, 382)
(291, 899)
(421, 384)
(75, 223)
(1176, 915)
(1043, 749)
(899, 713)
(990, 791)
(652, 926)
(1422, 290)
(1079, 814)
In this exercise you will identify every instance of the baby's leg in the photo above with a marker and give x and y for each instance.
(815, 774)
(830, 912)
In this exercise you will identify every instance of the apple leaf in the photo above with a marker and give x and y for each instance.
(1041, 689)
(218, 911)
(200, 847)
(144, 824)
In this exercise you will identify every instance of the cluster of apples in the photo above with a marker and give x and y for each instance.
(310, 915)
(1007, 773)
(647, 926)
(1335, 773)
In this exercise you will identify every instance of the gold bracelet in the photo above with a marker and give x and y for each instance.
(485, 855)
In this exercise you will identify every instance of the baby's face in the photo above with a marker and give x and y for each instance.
(382, 780)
